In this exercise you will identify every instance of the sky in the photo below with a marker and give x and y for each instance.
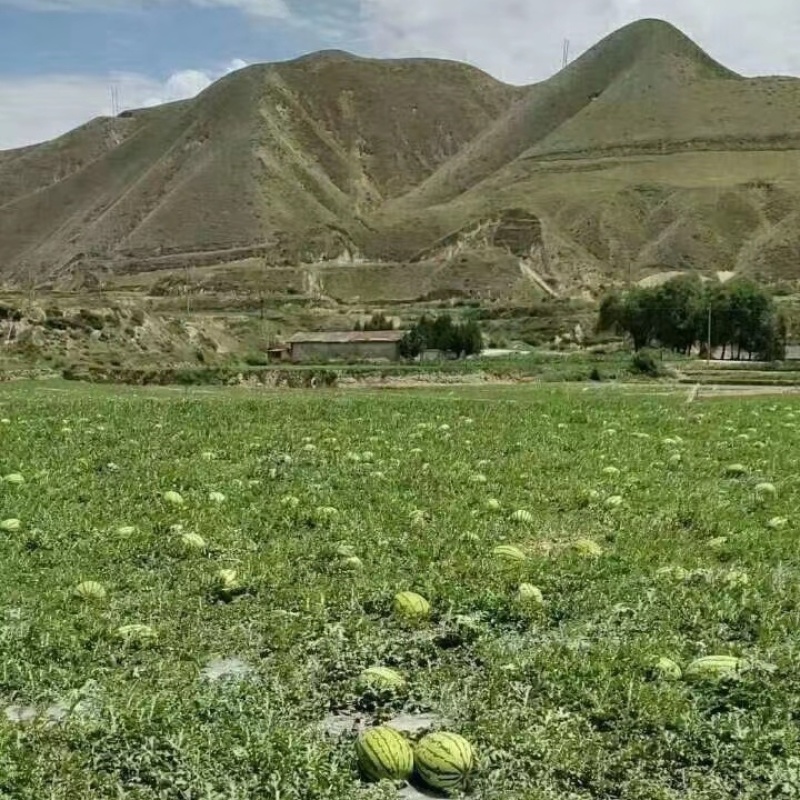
(59, 58)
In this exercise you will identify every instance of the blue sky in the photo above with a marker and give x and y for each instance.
(58, 58)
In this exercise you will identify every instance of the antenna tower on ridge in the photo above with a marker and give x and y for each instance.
(114, 100)
(565, 54)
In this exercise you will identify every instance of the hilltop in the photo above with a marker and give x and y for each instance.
(398, 179)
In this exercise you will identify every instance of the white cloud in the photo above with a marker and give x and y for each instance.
(521, 40)
(45, 106)
(260, 8)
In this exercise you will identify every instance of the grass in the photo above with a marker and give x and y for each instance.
(559, 700)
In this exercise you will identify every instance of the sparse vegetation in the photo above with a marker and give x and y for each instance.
(377, 322)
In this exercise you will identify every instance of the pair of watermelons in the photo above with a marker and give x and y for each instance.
(443, 760)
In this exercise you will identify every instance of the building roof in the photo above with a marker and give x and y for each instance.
(345, 337)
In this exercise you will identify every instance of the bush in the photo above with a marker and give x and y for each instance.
(256, 359)
(645, 362)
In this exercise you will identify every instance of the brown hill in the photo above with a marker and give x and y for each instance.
(281, 159)
(643, 156)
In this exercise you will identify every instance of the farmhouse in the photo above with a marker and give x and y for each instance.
(346, 346)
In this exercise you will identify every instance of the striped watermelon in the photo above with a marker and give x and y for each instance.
(588, 548)
(384, 754)
(193, 541)
(528, 593)
(508, 553)
(444, 761)
(716, 667)
(90, 590)
(381, 678)
(136, 633)
(411, 605)
(668, 669)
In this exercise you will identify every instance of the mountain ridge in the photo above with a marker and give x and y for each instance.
(643, 153)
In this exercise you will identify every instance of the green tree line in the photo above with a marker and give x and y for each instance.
(442, 333)
(742, 315)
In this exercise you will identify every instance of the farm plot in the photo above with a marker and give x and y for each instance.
(198, 595)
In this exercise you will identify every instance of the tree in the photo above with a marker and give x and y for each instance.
(718, 304)
(610, 316)
(675, 315)
(678, 307)
(441, 333)
(471, 338)
(412, 343)
(750, 312)
(638, 316)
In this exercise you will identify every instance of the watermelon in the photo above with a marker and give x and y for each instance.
(522, 516)
(90, 590)
(528, 593)
(717, 542)
(10, 525)
(411, 605)
(227, 578)
(587, 547)
(14, 478)
(508, 553)
(668, 669)
(193, 541)
(326, 513)
(381, 678)
(352, 564)
(173, 498)
(137, 632)
(444, 761)
(715, 667)
(384, 754)
(226, 585)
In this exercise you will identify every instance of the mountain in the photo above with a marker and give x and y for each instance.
(642, 156)
(279, 158)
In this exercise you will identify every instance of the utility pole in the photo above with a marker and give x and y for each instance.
(188, 291)
(708, 351)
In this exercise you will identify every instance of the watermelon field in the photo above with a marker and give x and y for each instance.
(192, 586)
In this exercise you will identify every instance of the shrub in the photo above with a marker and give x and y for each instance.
(644, 362)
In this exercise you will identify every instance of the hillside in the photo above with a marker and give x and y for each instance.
(283, 159)
(643, 156)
